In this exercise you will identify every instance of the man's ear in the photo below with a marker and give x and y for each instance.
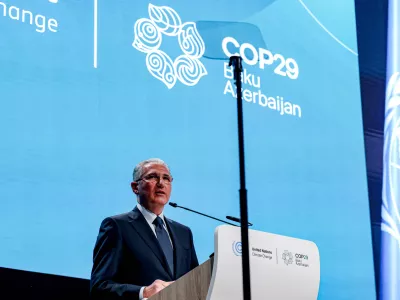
(134, 186)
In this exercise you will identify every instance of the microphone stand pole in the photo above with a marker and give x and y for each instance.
(236, 62)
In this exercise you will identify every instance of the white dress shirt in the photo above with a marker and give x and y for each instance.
(150, 217)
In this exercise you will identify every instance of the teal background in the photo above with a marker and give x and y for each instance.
(71, 134)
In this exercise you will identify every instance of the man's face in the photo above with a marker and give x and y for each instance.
(153, 188)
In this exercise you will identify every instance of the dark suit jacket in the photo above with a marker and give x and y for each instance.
(127, 256)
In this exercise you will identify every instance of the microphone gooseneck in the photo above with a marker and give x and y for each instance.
(173, 204)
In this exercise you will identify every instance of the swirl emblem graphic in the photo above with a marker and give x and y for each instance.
(287, 257)
(237, 248)
(391, 175)
(148, 36)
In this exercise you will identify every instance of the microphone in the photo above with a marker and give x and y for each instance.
(237, 220)
(196, 212)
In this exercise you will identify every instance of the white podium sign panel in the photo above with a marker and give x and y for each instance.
(280, 267)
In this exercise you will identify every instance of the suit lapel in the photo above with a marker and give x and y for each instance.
(178, 250)
(143, 229)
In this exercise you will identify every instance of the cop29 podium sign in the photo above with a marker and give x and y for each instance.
(276, 263)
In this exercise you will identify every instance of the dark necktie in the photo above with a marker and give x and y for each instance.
(165, 243)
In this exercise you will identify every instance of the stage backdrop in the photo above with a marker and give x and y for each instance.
(90, 88)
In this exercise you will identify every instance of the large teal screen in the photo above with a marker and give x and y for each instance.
(90, 88)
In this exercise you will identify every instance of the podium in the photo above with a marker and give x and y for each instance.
(281, 268)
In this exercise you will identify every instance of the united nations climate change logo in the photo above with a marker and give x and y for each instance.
(237, 248)
(163, 22)
(287, 257)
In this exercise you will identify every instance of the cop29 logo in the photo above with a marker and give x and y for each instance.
(165, 22)
(237, 248)
(287, 257)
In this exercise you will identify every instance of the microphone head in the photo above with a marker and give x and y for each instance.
(237, 220)
(173, 204)
(233, 219)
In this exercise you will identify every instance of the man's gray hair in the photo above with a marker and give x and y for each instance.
(138, 170)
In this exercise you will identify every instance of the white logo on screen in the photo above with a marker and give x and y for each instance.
(148, 34)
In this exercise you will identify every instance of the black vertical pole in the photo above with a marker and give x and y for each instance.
(236, 62)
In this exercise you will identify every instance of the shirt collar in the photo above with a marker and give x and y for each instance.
(148, 215)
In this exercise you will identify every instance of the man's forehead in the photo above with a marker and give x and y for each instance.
(155, 167)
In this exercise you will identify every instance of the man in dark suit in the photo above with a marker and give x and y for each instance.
(139, 253)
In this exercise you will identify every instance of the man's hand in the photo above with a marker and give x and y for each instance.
(155, 287)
